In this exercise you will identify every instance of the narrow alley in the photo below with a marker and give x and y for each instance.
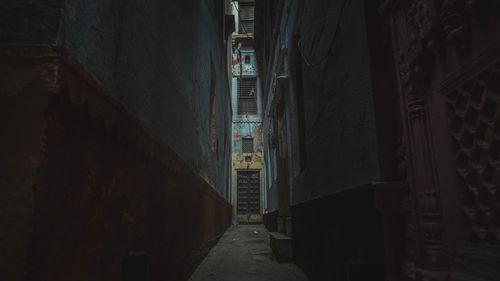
(243, 253)
(262, 140)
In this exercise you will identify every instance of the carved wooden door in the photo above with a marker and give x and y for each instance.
(447, 55)
(248, 193)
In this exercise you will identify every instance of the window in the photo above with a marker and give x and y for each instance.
(247, 96)
(247, 59)
(246, 17)
(247, 145)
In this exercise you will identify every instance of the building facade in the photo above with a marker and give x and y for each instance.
(116, 137)
(247, 148)
(321, 142)
(381, 124)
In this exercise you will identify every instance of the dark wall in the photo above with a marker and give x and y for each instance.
(152, 56)
(101, 196)
(270, 220)
(84, 184)
(21, 123)
(148, 56)
(332, 137)
(29, 21)
(130, 163)
(329, 99)
(339, 237)
(339, 119)
(450, 101)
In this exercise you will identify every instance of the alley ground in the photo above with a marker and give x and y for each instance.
(243, 254)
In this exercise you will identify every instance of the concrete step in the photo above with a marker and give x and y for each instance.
(281, 246)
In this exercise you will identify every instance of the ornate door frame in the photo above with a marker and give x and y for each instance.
(439, 65)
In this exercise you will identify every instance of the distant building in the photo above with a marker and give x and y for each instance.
(247, 147)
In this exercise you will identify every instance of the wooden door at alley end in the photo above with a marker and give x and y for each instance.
(248, 193)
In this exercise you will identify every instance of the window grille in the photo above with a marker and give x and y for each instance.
(247, 145)
(247, 15)
(247, 11)
(247, 96)
(246, 26)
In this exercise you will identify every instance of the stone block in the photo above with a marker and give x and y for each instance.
(281, 246)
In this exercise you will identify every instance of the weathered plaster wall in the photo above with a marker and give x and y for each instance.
(240, 130)
(246, 125)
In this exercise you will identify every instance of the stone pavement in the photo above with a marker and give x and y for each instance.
(243, 254)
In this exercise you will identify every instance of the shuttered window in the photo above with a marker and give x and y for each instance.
(247, 96)
(246, 27)
(246, 17)
(247, 145)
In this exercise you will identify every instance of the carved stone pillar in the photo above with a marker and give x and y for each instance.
(414, 28)
(447, 56)
(432, 253)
